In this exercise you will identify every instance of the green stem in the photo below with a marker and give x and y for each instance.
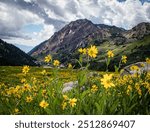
(107, 64)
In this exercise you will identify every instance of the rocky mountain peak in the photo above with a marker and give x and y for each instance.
(80, 22)
(81, 25)
(82, 33)
(138, 32)
(142, 26)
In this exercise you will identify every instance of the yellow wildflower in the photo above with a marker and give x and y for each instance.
(106, 81)
(129, 88)
(80, 50)
(137, 86)
(16, 110)
(34, 80)
(134, 68)
(94, 88)
(26, 87)
(29, 99)
(44, 92)
(146, 84)
(148, 60)
(148, 76)
(92, 51)
(84, 51)
(56, 63)
(142, 65)
(23, 80)
(130, 81)
(110, 54)
(43, 72)
(65, 97)
(43, 104)
(69, 66)
(64, 104)
(72, 102)
(124, 59)
(25, 69)
(48, 58)
(17, 87)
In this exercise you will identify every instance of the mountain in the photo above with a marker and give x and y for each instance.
(10, 55)
(37, 49)
(138, 32)
(63, 44)
(24, 48)
(66, 41)
(69, 38)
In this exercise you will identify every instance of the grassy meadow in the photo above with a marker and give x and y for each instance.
(38, 91)
(12, 75)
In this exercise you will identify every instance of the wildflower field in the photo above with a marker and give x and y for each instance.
(37, 91)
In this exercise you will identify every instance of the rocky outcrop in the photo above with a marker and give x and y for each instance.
(143, 67)
(69, 86)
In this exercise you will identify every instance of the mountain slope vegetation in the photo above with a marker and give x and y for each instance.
(10, 55)
(64, 44)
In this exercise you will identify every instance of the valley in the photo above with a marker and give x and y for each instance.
(83, 69)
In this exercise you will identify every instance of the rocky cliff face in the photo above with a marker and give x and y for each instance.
(71, 37)
(137, 32)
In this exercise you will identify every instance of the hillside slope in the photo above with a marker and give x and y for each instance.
(63, 45)
(10, 55)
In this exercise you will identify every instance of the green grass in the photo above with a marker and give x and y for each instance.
(117, 99)
(96, 94)
(11, 75)
(122, 49)
(135, 51)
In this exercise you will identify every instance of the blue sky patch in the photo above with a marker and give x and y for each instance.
(30, 28)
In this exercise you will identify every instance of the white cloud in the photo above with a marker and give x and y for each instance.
(51, 14)
(129, 13)
(27, 0)
(45, 33)
(12, 20)
(123, 14)
(13, 17)
(36, 37)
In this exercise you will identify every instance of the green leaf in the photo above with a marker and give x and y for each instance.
(116, 68)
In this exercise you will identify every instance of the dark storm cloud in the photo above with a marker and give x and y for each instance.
(15, 14)
(71, 7)
(7, 31)
(54, 8)
(10, 35)
(35, 7)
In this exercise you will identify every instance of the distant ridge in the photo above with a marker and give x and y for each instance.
(24, 48)
(10, 55)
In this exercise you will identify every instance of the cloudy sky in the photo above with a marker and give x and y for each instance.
(29, 22)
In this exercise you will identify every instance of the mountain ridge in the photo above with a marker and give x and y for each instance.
(11, 55)
(63, 44)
